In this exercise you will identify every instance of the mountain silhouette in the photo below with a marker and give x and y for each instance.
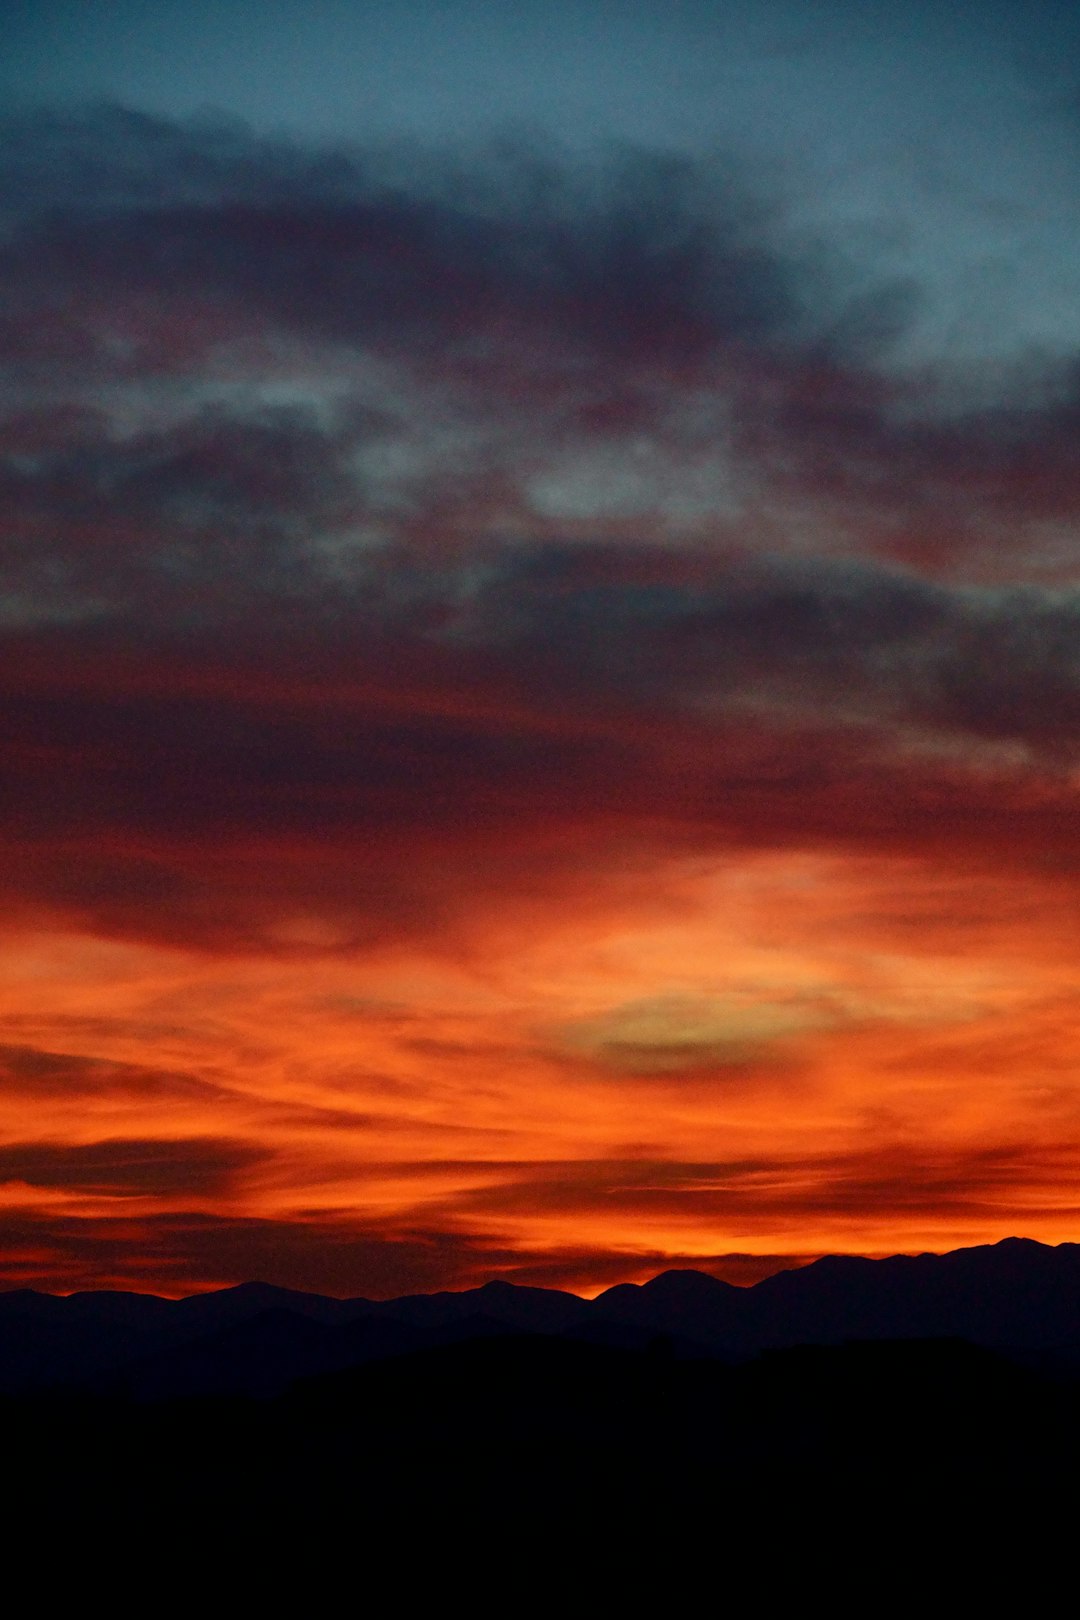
(532, 1310)
(831, 1423)
(1016, 1296)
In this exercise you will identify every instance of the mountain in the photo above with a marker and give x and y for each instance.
(202, 1312)
(476, 1466)
(259, 1357)
(256, 1339)
(1016, 1295)
(47, 1339)
(529, 1310)
(687, 1303)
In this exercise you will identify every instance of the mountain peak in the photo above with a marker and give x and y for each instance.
(684, 1283)
(255, 1288)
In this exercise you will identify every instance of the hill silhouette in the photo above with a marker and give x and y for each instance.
(505, 1452)
(835, 1413)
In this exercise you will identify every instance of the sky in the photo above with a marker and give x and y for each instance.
(541, 638)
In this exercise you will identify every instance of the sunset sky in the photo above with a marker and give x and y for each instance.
(540, 693)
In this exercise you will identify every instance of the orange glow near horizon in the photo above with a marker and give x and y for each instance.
(778, 1056)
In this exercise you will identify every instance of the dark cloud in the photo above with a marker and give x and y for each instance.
(125, 1168)
(542, 732)
(342, 1253)
(626, 628)
(1005, 1182)
(597, 295)
(37, 1073)
(278, 645)
(180, 1253)
(652, 254)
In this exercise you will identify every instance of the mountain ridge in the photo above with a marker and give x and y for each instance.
(1010, 1244)
(254, 1338)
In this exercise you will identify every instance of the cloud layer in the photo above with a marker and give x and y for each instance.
(412, 562)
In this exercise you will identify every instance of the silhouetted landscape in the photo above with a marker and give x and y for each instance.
(539, 742)
(939, 1388)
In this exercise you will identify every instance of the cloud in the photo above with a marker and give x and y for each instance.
(247, 367)
(466, 1240)
(524, 719)
(277, 340)
(645, 253)
(312, 871)
(672, 1035)
(35, 1073)
(407, 554)
(183, 1253)
(844, 1192)
(125, 1168)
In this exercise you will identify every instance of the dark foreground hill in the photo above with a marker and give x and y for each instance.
(855, 1421)
(498, 1463)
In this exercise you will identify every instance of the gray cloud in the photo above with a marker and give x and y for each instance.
(278, 577)
(644, 254)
